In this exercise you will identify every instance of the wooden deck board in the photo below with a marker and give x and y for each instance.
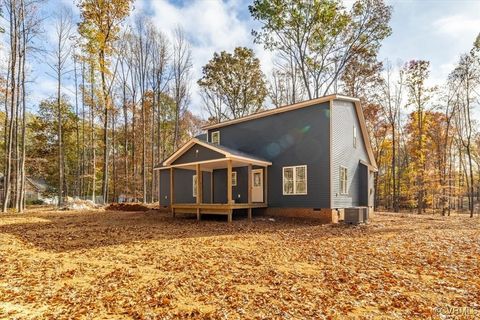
(215, 208)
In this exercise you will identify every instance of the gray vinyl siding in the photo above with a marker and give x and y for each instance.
(203, 154)
(239, 192)
(219, 186)
(206, 187)
(297, 137)
(165, 187)
(344, 154)
(363, 192)
(183, 186)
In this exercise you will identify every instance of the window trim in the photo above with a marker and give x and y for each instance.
(194, 185)
(295, 193)
(346, 180)
(234, 174)
(211, 137)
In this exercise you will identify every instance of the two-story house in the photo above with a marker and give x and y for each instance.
(309, 159)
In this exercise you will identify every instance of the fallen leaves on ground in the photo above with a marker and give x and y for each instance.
(147, 265)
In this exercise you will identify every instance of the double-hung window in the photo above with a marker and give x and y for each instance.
(234, 178)
(295, 180)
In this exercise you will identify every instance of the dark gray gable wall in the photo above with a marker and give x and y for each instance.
(344, 154)
(297, 137)
(183, 186)
(198, 153)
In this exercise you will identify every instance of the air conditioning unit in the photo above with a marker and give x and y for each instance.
(356, 215)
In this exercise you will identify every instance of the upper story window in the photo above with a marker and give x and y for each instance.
(295, 180)
(215, 137)
(234, 178)
(343, 180)
(354, 136)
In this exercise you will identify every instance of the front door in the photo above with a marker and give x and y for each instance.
(257, 185)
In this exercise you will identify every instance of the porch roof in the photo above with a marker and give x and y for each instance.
(237, 157)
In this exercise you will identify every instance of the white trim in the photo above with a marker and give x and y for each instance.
(211, 136)
(294, 180)
(234, 174)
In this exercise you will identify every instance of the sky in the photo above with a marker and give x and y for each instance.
(435, 30)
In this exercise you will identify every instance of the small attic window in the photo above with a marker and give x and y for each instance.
(215, 137)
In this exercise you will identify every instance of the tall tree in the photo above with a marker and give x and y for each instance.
(181, 67)
(419, 96)
(321, 37)
(100, 25)
(467, 75)
(237, 81)
(391, 100)
(59, 65)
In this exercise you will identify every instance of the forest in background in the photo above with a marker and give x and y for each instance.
(132, 86)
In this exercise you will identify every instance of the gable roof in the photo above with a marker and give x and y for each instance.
(308, 103)
(290, 107)
(227, 152)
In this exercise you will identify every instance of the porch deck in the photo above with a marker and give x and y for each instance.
(215, 208)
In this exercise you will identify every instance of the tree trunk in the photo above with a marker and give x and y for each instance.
(105, 129)
(13, 103)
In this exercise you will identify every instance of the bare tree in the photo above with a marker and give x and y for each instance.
(391, 99)
(60, 56)
(182, 64)
(467, 74)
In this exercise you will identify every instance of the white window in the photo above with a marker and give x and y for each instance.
(354, 136)
(343, 180)
(234, 178)
(295, 180)
(216, 137)
(194, 185)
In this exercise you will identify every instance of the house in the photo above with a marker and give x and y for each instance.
(35, 189)
(309, 159)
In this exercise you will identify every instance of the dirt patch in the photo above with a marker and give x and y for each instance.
(127, 207)
(148, 265)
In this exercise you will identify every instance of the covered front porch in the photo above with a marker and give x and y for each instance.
(202, 178)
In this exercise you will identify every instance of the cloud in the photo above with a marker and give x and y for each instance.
(458, 25)
(210, 26)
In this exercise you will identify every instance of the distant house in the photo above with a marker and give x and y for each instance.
(312, 158)
(35, 189)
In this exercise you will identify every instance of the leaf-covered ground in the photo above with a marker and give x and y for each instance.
(146, 265)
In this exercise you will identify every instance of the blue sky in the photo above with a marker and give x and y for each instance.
(435, 30)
